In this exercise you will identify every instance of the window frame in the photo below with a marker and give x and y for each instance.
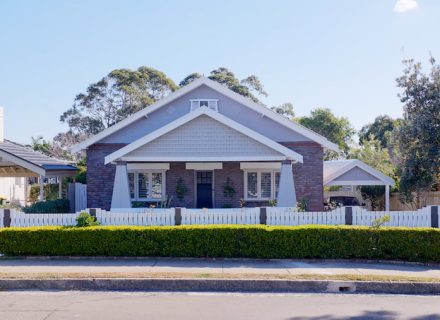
(150, 184)
(259, 172)
(197, 102)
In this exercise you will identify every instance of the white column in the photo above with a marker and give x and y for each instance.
(60, 187)
(121, 189)
(41, 196)
(387, 198)
(286, 189)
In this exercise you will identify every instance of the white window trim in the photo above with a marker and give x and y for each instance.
(136, 184)
(197, 101)
(272, 187)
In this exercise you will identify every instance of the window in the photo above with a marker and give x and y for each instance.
(261, 184)
(146, 185)
(210, 103)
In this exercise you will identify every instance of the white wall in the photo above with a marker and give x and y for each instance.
(13, 189)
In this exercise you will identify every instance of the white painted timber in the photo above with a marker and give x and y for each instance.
(221, 216)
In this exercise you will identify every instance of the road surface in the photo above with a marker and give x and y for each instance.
(136, 305)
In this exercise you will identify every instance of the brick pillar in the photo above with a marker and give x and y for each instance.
(177, 216)
(263, 215)
(7, 218)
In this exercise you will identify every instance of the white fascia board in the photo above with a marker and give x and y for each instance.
(356, 183)
(384, 180)
(219, 88)
(203, 159)
(138, 115)
(204, 165)
(22, 163)
(289, 154)
(148, 166)
(260, 165)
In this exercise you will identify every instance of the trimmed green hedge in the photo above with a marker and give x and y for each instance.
(323, 242)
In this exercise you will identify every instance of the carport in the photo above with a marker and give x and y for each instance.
(354, 172)
(17, 160)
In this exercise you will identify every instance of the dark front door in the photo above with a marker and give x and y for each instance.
(204, 189)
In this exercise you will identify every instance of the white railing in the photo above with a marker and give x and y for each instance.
(136, 217)
(418, 218)
(291, 217)
(221, 216)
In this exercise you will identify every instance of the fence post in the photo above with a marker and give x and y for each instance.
(434, 216)
(263, 215)
(7, 218)
(349, 216)
(178, 216)
(93, 212)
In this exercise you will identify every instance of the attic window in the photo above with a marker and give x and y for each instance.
(210, 103)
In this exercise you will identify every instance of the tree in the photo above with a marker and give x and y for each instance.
(418, 136)
(245, 87)
(286, 110)
(189, 79)
(372, 153)
(381, 129)
(336, 129)
(121, 93)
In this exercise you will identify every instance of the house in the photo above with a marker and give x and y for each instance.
(20, 164)
(205, 146)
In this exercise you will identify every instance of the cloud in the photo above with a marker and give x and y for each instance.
(405, 5)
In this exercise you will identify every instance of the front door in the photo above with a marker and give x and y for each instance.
(204, 189)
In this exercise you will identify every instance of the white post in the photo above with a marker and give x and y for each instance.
(41, 196)
(387, 198)
(286, 189)
(60, 187)
(121, 188)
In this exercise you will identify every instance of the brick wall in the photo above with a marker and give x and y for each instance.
(309, 174)
(100, 177)
(178, 171)
(308, 179)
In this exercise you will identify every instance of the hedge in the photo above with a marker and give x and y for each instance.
(323, 242)
(49, 206)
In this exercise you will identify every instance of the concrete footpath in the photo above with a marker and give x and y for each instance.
(217, 275)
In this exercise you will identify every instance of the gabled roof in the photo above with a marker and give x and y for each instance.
(16, 154)
(264, 111)
(338, 168)
(285, 152)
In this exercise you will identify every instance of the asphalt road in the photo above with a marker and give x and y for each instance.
(207, 306)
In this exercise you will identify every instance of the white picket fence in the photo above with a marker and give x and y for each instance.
(136, 217)
(274, 216)
(418, 218)
(291, 217)
(221, 216)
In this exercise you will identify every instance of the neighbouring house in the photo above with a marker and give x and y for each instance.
(19, 165)
(205, 146)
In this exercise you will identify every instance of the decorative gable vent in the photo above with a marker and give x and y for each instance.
(210, 103)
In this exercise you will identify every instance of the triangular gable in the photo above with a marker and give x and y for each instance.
(204, 135)
(353, 172)
(264, 111)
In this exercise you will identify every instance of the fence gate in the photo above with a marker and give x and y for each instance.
(77, 194)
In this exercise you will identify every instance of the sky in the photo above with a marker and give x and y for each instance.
(341, 54)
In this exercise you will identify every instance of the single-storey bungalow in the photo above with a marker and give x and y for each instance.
(205, 146)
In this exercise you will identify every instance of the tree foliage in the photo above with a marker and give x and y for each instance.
(286, 110)
(418, 136)
(381, 129)
(119, 94)
(336, 129)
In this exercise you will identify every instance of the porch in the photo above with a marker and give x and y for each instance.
(229, 184)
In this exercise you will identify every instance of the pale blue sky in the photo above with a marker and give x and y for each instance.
(344, 55)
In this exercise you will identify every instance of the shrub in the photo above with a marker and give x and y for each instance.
(321, 242)
(86, 220)
(49, 206)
